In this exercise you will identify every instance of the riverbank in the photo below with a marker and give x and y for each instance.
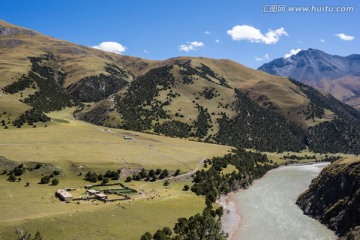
(268, 210)
(231, 219)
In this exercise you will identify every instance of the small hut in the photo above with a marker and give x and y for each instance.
(63, 195)
(101, 196)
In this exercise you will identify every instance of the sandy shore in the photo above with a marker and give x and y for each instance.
(231, 219)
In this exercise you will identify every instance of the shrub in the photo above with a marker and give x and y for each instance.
(115, 176)
(45, 180)
(136, 177)
(38, 165)
(101, 177)
(142, 173)
(151, 173)
(219, 211)
(105, 181)
(55, 182)
(164, 174)
(12, 178)
(146, 236)
(18, 171)
(159, 235)
(167, 231)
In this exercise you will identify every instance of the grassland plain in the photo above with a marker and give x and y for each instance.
(36, 208)
(71, 146)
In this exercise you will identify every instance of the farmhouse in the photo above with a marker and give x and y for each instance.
(101, 196)
(63, 195)
(92, 191)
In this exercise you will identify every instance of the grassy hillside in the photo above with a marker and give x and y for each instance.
(224, 102)
(72, 147)
(17, 44)
(70, 143)
(34, 67)
(211, 100)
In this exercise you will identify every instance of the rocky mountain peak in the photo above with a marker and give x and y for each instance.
(334, 74)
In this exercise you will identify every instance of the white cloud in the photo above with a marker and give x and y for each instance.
(251, 34)
(265, 57)
(217, 40)
(322, 40)
(345, 37)
(207, 32)
(300, 41)
(111, 47)
(193, 46)
(197, 44)
(292, 52)
(146, 51)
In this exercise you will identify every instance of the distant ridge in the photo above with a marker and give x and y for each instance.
(339, 76)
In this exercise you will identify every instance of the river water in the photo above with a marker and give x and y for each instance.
(267, 210)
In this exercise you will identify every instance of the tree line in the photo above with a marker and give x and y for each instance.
(211, 184)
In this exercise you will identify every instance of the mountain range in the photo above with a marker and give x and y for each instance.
(202, 99)
(339, 76)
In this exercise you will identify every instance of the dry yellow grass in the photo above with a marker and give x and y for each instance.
(328, 116)
(35, 208)
(342, 88)
(229, 169)
(345, 165)
(68, 144)
(348, 160)
(9, 104)
(79, 62)
(78, 143)
(279, 157)
(283, 94)
(285, 97)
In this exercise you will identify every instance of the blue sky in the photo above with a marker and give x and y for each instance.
(243, 31)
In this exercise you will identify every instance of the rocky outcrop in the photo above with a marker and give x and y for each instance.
(12, 32)
(334, 198)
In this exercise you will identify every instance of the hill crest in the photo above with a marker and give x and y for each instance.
(212, 100)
